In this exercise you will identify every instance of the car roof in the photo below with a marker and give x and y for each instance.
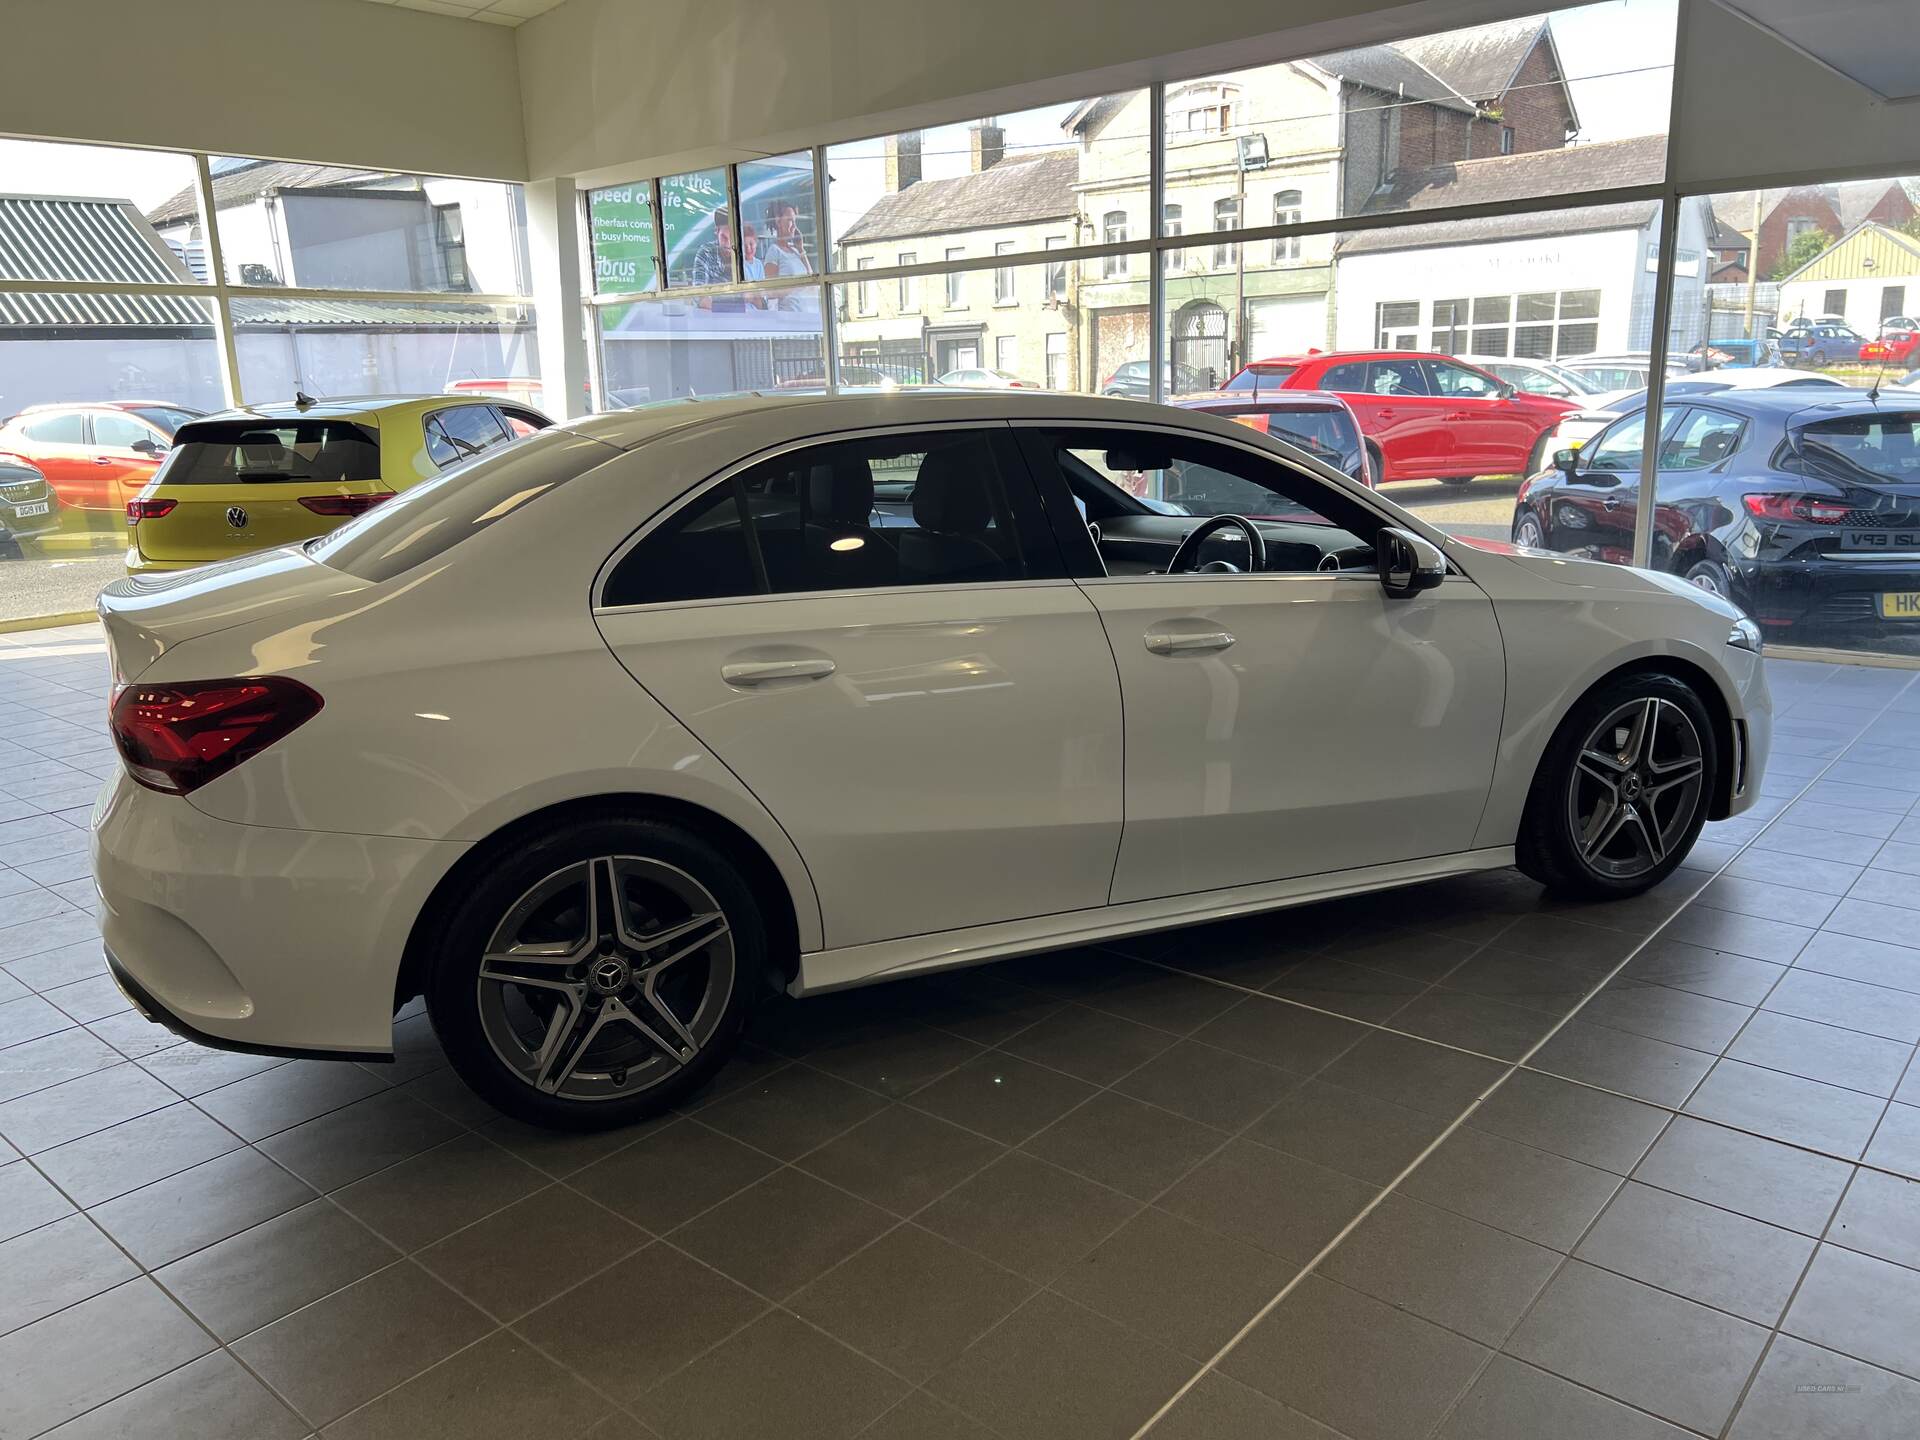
(1348, 355)
(1792, 399)
(1265, 399)
(354, 407)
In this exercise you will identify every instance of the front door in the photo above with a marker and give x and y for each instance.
(927, 706)
(127, 451)
(1491, 435)
(1595, 512)
(1396, 406)
(1290, 722)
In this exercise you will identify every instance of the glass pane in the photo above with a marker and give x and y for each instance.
(697, 228)
(713, 345)
(1058, 171)
(781, 234)
(1088, 337)
(377, 347)
(620, 239)
(339, 227)
(86, 212)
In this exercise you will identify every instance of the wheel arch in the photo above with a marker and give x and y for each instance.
(756, 865)
(1701, 682)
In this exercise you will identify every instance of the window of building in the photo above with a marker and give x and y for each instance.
(1170, 223)
(1226, 216)
(863, 291)
(1286, 211)
(1450, 327)
(1003, 290)
(1834, 303)
(451, 235)
(1893, 301)
(1396, 324)
(1057, 360)
(1798, 226)
(1006, 354)
(1506, 140)
(907, 302)
(956, 280)
(1203, 109)
(1056, 274)
(1113, 231)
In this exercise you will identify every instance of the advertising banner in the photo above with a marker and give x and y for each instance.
(620, 234)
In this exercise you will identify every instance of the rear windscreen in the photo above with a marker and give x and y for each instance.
(227, 452)
(1324, 434)
(1260, 377)
(1881, 449)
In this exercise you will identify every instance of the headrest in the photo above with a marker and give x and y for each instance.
(950, 494)
(841, 491)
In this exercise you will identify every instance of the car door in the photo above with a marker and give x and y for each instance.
(1292, 722)
(1413, 431)
(1489, 433)
(126, 452)
(930, 709)
(1595, 512)
(1693, 456)
(57, 444)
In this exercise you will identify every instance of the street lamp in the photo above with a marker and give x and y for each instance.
(1249, 153)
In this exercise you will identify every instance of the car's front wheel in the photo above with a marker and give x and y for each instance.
(596, 973)
(1622, 790)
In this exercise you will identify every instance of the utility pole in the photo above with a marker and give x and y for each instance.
(1753, 259)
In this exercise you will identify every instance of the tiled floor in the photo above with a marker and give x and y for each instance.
(1453, 1162)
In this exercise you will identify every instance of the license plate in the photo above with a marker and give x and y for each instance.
(21, 512)
(1881, 540)
(1900, 605)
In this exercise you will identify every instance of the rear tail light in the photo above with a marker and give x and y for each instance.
(344, 504)
(1808, 509)
(175, 738)
(138, 510)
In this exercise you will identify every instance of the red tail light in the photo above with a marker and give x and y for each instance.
(344, 504)
(176, 737)
(138, 510)
(1807, 509)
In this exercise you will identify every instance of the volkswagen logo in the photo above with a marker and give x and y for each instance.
(237, 517)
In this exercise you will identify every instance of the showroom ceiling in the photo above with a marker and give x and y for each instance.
(494, 12)
(1868, 41)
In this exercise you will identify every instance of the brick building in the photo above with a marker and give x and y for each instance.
(1833, 210)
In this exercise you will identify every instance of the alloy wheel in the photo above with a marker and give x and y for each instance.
(1527, 534)
(606, 978)
(1636, 787)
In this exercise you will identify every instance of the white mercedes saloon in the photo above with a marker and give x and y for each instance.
(594, 738)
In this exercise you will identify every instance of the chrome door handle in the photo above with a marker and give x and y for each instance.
(1612, 502)
(1161, 643)
(769, 672)
(102, 460)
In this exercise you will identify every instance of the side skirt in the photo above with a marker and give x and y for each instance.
(826, 970)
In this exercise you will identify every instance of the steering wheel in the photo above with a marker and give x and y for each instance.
(1183, 558)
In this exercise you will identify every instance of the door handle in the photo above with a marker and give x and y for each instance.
(1159, 642)
(770, 672)
(102, 460)
(1612, 502)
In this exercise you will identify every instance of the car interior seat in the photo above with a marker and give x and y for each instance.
(953, 513)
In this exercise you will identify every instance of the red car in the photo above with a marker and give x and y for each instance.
(1424, 416)
(1894, 346)
(96, 455)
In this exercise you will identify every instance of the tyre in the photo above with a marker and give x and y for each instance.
(1376, 464)
(1456, 481)
(1537, 457)
(1622, 790)
(1712, 577)
(597, 973)
(1527, 532)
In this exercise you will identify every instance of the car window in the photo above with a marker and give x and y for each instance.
(67, 429)
(521, 423)
(462, 432)
(1348, 379)
(1263, 377)
(114, 431)
(1458, 380)
(223, 452)
(1705, 438)
(938, 508)
(1619, 449)
(1879, 448)
(1396, 377)
(165, 418)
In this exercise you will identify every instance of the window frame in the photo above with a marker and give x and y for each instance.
(432, 418)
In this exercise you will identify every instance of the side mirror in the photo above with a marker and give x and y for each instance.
(1565, 461)
(153, 449)
(1407, 564)
(1508, 389)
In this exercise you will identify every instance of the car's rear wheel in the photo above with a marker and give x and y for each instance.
(1376, 464)
(1537, 457)
(597, 973)
(1456, 480)
(1622, 790)
(1527, 532)
(1712, 577)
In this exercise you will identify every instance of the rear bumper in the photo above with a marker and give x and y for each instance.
(138, 564)
(249, 937)
(1841, 594)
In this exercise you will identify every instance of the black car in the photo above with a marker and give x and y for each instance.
(28, 508)
(1801, 507)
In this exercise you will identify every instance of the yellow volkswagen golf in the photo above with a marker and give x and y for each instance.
(268, 475)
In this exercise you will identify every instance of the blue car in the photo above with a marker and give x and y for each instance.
(1821, 345)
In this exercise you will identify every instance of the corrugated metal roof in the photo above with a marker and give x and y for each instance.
(125, 312)
(270, 310)
(55, 237)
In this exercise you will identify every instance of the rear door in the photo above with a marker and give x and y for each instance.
(1399, 409)
(57, 445)
(1489, 434)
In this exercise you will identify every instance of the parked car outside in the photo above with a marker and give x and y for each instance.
(1131, 380)
(344, 783)
(1316, 421)
(981, 379)
(28, 506)
(1601, 411)
(1820, 345)
(1619, 372)
(270, 475)
(1894, 347)
(96, 455)
(1536, 377)
(1425, 416)
(1733, 355)
(1802, 507)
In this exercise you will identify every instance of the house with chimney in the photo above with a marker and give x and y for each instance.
(1779, 217)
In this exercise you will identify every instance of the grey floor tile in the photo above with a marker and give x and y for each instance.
(1541, 1197)
(705, 1308)
(1185, 1287)
(75, 958)
(1474, 1022)
(338, 1353)
(921, 1417)
(673, 1174)
(281, 1098)
(1715, 973)
(1002, 1096)
(778, 1234)
(1871, 921)
(183, 1213)
(1277, 1033)
(896, 1062)
(1747, 935)
(1633, 1065)
(1827, 1053)
(1887, 887)
(528, 1253)
(1575, 1121)
(211, 1398)
(1515, 1401)
(1344, 1130)
(1797, 860)
(1696, 1250)
(499, 1389)
(1896, 1144)
(1870, 1009)
(911, 1301)
(1552, 987)
(352, 1142)
(1786, 1107)
(80, 1106)
(56, 1266)
(901, 1159)
(1443, 1267)
(192, 1070)
(1880, 1216)
(1806, 842)
(1090, 1044)
(1861, 1306)
(1678, 1017)
(776, 1377)
(1009, 1380)
(1768, 900)
(28, 1017)
(1310, 1351)
(1207, 1084)
(94, 998)
(1359, 992)
(1285, 1205)
(1033, 1218)
(1126, 1144)
(1873, 962)
(90, 1353)
(136, 1152)
(792, 1112)
(1163, 999)
(253, 1278)
(1756, 1177)
(433, 1194)
(1413, 1073)
(1554, 937)
(1681, 1361)
(1805, 1393)
(27, 1200)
